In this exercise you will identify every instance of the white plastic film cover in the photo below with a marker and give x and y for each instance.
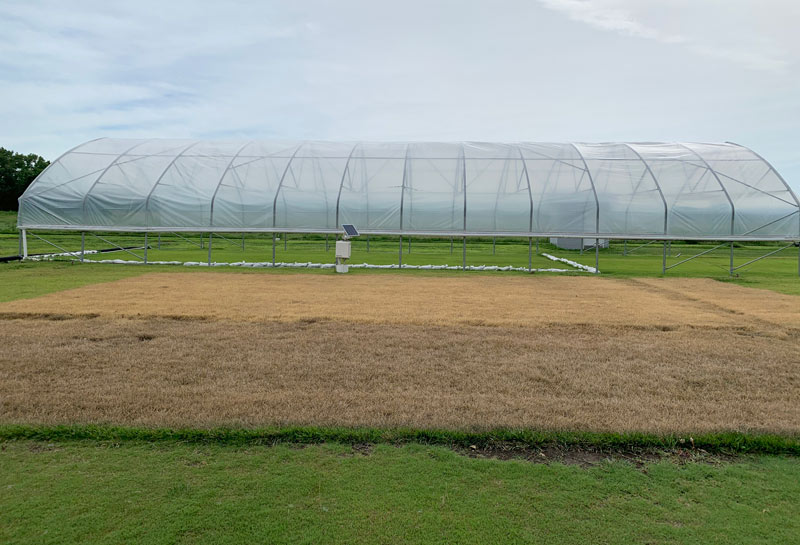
(605, 190)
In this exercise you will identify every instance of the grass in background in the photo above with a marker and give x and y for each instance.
(777, 273)
(176, 493)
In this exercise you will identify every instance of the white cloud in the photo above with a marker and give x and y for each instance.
(703, 27)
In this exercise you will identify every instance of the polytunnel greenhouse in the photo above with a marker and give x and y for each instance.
(656, 191)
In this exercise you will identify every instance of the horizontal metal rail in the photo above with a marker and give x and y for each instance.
(447, 234)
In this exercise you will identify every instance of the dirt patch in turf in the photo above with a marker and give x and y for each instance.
(584, 457)
(161, 372)
(383, 299)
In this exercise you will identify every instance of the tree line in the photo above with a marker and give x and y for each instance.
(17, 171)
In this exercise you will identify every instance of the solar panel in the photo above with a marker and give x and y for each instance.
(350, 230)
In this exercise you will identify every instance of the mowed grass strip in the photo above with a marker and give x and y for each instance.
(176, 493)
(475, 300)
(178, 373)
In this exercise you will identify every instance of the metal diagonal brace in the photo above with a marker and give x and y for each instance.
(117, 246)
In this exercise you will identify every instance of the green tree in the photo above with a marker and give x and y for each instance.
(17, 171)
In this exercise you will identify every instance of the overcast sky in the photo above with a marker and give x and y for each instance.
(502, 70)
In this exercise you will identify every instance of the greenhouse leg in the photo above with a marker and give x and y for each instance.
(464, 254)
(24, 244)
(625, 247)
(326, 242)
(451, 245)
(285, 241)
(210, 236)
(731, 271)
(159, 241)
(581, 246)
(597, 256)
(243, 242)
(273, 249)
(367, 243)
(400, 257)
(409, 245)
(145, 248)
(530, 254)
(83, 247)
(664, 260)
(494, 245)
(537, 246)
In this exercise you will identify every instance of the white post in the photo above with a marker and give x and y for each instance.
(24, 244)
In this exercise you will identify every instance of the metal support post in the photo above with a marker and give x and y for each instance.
(159, 241)
(451, 245)
(597, 256)
(243, 242)
(494, 244)
(285, 241)
(24, 244)
(537, 246)
(731, 270)
(464, 255)
(530, 254)
(409, 245)
(625, 247)
(367, 243)
(210, 236)
(581, 246)
(400, 256)
(83, 247)
(273, 249)
(326, 242)
(664, 260)
(201, 241)
(145, 248)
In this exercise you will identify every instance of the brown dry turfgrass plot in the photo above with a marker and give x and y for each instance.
(576, 353)
(471, 300)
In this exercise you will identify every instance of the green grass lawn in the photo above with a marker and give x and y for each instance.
(87, 492)
(778, 272)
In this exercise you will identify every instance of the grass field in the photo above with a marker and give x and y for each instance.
(175, 493)
(438, 406)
